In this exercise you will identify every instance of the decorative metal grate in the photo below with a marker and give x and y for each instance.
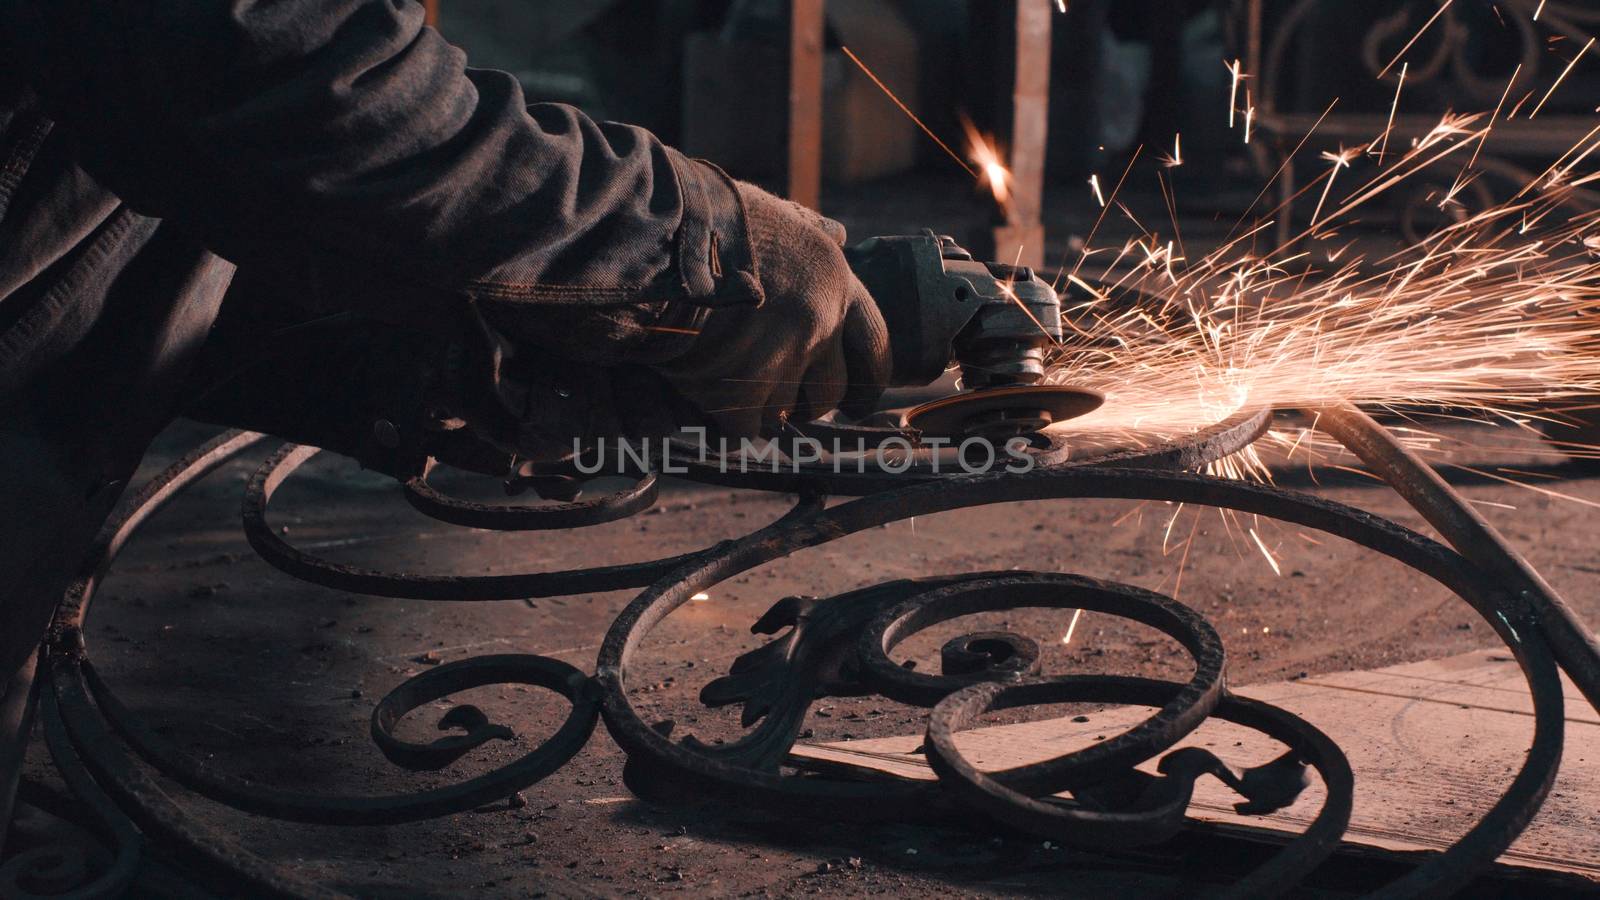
(835, 646)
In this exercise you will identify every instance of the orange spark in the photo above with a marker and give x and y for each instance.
(907, 110)
(1560, 78)
(1392, 108)
(1271, 560)
(1425, 26)
(1071, 626)
(1497, 107)
(1340, 160)
(1233, 90)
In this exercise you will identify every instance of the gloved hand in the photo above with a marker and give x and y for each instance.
(816, 342)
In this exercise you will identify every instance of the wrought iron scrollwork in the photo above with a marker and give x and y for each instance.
(820, 647)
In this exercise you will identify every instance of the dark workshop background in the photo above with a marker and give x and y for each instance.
(710, 76)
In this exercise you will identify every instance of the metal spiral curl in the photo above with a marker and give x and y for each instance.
(412, 586)
(1010, 797)
(822, 647)
(426, 499)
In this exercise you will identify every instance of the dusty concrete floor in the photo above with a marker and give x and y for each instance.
(274, 679)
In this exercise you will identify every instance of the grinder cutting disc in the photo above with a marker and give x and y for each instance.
(1002, 412)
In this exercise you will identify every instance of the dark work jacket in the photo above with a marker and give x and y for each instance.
(149, 148)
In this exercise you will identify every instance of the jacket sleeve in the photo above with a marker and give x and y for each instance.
(348, 129)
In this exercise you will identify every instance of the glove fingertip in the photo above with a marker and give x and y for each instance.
(834, 229)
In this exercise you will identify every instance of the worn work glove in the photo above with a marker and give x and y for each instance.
(816, 342)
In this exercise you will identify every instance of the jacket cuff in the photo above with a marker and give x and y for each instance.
(716, 264)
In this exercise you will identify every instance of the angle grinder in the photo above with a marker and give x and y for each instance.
(992, 319)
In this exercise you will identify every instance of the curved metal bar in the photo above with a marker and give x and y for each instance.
(74, 680)
(1185, 454)
(1112, 828)
(107, 823)
(138, 509)
(1178, 715)
(1470, 533)
(287, 558)
(209, 780)
(153, 810)
(653, 750)
(814, 657)
(840, 646)
(67, 706)
(427, 499)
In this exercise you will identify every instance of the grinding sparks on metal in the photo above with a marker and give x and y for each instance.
(1494, 317)
(1271, 560)
(1491, 313)
(1498, 310)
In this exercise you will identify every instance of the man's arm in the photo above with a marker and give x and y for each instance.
(347, 126)
(345, 133)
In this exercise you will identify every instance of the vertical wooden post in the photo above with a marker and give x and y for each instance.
(805, 102)
(1030, 124)
(430, 12)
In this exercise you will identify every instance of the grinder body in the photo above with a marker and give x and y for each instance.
(995, 321)
(942, 306)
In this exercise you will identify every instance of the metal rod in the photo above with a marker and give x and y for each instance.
(1473, 537)
(17, 700)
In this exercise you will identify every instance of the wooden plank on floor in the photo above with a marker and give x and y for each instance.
(1432, 744)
